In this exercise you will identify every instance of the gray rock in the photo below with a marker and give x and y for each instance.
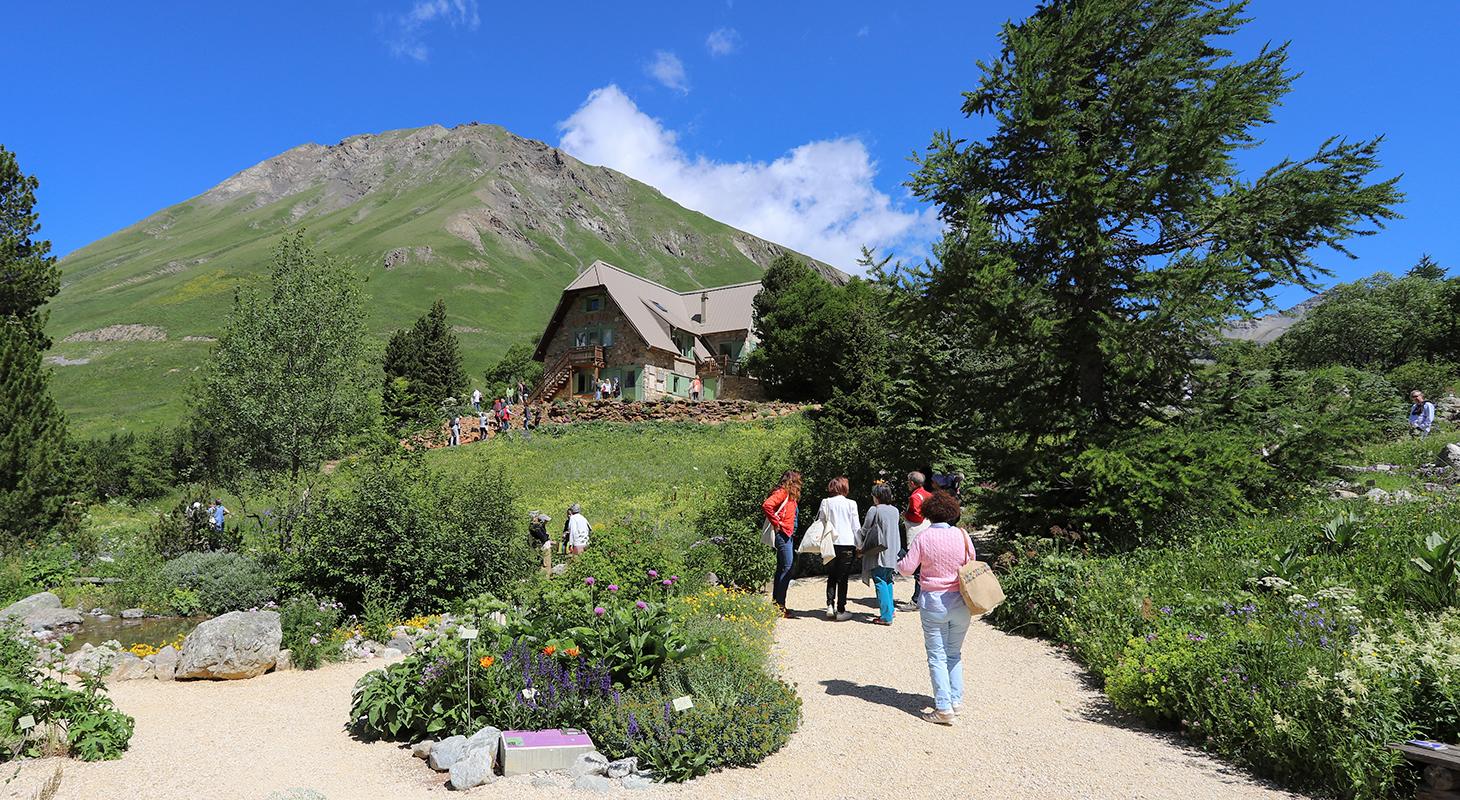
(104, 617)
(543, 780)
(1449, 457)
(402, 644)
(1342, 494)
(372, 646)
(593, 783)
(1376, 494)
(589, 763)
(239, 644)
(622, 767)
(164, 672)
(422, 750)
(635, 782)
(96, 612)
(389, 652)
(485, 739)
(21, 609)
(49, 619)
(134, 613)
(284, 661)
(475, 769)
(132, 668)
(447, 752)
(167, 655)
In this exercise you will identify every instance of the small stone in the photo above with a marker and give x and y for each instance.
(622, 767)
(543, 780)
(389, 652)
(401, 643)
(447, 752)
(474, 770)
(133, 613)
(484, 739)
(96, 612)
(635, 782)
(164, 672)
(593, 783)
(167, 655)
(284, 661)
(589, 763)
(422, 750)
(104, 617)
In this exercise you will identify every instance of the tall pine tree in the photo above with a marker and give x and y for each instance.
(35, 479)
(422, 366)
(28, 273)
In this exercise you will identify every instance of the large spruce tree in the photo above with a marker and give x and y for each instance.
(1098, 238)
(35, 480)
(422, 366)
(28, 272)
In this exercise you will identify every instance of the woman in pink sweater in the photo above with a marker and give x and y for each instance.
(940, 551)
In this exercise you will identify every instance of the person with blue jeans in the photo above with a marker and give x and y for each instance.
(877, 544)
(939, 551)
(780, 510)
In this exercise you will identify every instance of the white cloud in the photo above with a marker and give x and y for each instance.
(406, 32)
(818, 199)
(863, 31)
(668, 70)
(723, 42)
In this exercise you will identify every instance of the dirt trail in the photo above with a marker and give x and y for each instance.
(1034, 729)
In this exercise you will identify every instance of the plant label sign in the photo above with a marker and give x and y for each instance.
(25, 723)
(467, 633)
(683, 703)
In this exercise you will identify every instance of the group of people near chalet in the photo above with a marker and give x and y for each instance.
(926, 545)
(498, 416)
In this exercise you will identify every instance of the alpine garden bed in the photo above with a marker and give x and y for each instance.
(1297, 644)
(611, 659)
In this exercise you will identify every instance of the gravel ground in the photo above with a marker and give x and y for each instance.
(1033, 728)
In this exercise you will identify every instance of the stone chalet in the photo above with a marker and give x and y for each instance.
(613, 324)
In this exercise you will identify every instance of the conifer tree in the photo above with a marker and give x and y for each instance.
(28, 273)
(35, 481)
(427, 356)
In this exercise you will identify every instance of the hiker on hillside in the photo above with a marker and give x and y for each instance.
(537, 529)
(839, 513)
(938, 552)
(455, 432)
(497, 413)
(578, 530)
(1421, 414)
(780, 510)
(522, 392)
(476, 399)
(877, 544)
(695, 387)
(506, 416)
(915, 524)
(481, 425)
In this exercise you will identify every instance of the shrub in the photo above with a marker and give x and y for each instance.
(432, 539)
(222, 581)
(87, 720)
(1434, 379)
(740, 626)
(308, 623)
(624, 554)
(740, 716)
(732, 519)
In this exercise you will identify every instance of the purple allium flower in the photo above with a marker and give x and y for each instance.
(613, 587)
(641, 605)
(600, 610)
(667, 582)
(588, 581)
(653, 574)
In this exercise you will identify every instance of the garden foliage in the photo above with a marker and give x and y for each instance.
(219, 581)
(83, 722)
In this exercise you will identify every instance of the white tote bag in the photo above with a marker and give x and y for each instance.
(768, 529)
(811, 541)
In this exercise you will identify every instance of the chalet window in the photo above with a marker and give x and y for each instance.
(593, 303)
(631, 379)
(593, 337)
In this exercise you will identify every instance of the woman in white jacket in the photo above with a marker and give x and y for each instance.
(839, 514)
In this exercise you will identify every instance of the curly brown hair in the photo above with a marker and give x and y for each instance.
(942, 507)
(791, 482)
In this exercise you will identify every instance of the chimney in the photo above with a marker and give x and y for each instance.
(704, 306)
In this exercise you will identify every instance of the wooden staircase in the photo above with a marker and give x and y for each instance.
(562, 371)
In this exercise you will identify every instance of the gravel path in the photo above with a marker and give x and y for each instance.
(1033, 729)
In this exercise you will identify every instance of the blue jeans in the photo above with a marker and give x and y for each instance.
(943, 634)
(785, 563)
(882, 580)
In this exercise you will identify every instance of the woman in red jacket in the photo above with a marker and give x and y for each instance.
(780, 509)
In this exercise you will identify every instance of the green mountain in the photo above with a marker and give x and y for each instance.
(494, 223)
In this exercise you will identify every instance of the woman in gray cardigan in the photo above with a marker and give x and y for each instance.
(877, 544)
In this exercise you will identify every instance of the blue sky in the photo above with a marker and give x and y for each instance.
(790, 120)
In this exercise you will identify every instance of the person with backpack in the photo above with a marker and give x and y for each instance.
(1421, 414)
(541, 540)
(455, 432)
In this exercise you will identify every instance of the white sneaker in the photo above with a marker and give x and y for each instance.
(843, 616)
(831, 612)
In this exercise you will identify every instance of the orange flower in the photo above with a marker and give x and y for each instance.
(571, 652)
(549, 650)
(486, 661)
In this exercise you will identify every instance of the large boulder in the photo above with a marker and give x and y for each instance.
(21, 609)
(239, 644)
(1449, 457)
(49, 619)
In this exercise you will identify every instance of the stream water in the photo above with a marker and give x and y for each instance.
(128, 632)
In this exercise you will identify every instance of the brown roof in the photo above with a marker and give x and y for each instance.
(653, 309)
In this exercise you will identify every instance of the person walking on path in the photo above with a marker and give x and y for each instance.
(217, 511)
(541, 540)
(476, 399)
(877, 543)
(915, 524)
(455, 432)
(1421, 414)
(939, 551)
(780, 509)
(839, 514)
(578, 530)
(481, 425)
(695, 387)
(497, 413)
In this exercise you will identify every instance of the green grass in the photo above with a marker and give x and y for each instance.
(179, 269)
(664, 470)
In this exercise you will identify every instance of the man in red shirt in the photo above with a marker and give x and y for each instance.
(915, 523)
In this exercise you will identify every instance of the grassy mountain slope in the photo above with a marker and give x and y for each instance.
(494, 223)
